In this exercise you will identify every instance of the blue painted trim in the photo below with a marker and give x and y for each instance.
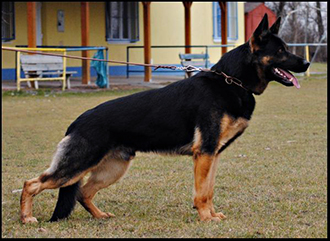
(8, 74)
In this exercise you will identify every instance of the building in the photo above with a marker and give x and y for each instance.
(117, 25)
(254, 12)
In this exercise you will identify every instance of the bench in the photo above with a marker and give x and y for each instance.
(42, 68)
(197, 60)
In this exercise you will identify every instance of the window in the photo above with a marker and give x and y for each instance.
(232, 33)
(122, 21)
(7, 21)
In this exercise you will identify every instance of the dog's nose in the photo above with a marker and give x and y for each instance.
(306, 63)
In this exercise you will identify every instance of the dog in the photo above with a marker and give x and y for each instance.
(198, 116)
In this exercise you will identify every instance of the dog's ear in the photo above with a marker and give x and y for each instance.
(263, 27)
(259, 34)
(276, 26)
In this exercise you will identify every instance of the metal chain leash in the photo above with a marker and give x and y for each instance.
(189, 68)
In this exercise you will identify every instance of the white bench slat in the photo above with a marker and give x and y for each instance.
(194, 63)
(41, 67)
(193, 56)
(40, 59)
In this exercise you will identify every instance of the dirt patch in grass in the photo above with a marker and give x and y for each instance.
(272, 182)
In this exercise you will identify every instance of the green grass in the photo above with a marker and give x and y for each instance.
(318, 67)
(271, 182)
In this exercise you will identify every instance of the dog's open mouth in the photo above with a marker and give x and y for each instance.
(286, 77)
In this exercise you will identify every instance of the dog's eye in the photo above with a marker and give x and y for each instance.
(280, 51)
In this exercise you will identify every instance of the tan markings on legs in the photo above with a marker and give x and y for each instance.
(106, 173)
(202, 171)
(211, 189)
(229, 127)
(197, 142)
(34, 186)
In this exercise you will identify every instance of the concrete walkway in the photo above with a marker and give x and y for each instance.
(116, 82)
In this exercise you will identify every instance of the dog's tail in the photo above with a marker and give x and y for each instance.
(67, 199)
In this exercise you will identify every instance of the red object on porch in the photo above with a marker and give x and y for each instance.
(254, 12)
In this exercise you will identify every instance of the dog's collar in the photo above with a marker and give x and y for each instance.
(229, 79)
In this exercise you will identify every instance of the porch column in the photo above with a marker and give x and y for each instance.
(147, 40)
(85, 41)
(32, 24)
(32, 27)
(187, 25)
(224, 14)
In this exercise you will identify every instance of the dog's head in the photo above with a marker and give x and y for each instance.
(271, 57)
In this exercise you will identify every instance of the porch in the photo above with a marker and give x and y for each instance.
(85, 16)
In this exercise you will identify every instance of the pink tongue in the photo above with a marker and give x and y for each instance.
(292, 77)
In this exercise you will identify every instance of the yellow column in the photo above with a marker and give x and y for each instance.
(18, 69)
(307, 58)
(64, 71)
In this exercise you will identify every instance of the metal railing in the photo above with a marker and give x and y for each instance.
(207, 47)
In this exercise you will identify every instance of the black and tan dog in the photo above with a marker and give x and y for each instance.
(199, 116)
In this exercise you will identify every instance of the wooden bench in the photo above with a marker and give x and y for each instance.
(197, 60)
(42, 68)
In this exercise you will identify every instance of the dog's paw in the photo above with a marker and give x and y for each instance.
(211, 218)
(29, 220)
(219, 215)
(106, 215)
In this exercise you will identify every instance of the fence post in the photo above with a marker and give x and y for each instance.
(64, 71)
(307, 73)
(18, 69)
(107, 65)
(127, 60)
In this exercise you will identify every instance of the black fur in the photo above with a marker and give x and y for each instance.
(66, 202)
(165, 120)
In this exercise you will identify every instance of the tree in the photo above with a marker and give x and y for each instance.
(319, 21)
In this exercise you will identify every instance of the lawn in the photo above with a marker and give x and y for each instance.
(271, 182)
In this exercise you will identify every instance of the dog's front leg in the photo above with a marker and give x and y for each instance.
(204, 172)
(211, 188)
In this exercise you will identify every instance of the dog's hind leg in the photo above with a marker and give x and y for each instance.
(31, 188)
(66, 170)
(109, 171)
(35, 186)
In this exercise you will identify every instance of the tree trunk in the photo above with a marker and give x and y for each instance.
(319, 21)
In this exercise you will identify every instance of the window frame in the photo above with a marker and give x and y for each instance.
(13, 37)
(217, 22)
(130, 39)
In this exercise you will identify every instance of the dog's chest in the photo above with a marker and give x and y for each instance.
(230, 128)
